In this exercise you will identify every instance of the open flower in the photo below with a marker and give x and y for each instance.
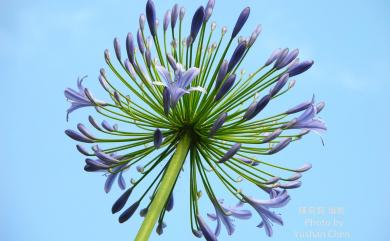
(184, 97)
(180, 86)
(80, 98)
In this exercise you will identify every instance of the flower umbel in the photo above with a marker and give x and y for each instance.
(179, 96)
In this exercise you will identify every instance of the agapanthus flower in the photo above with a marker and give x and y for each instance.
(183, 99)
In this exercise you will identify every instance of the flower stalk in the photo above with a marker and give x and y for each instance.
(165, 188)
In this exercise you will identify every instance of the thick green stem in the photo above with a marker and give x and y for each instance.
(163, 192)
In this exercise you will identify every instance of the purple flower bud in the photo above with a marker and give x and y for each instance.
(287, 59)
(140, 41)
(94, 123)
(206, 231)
(117, 48)
(279, 60)
(320, 106)
(182, 13)
(96, 164)
(222, 73)
(170, 202)
(279, 84)
(166, 100)
(274, 56)
(280, 146)
(226, 86)
(158, 137)
(104, 84)
(142, 22)
(254, 35)
(218, 124)
(174, 15)
(189, 41)
(151, 17)
(130, 47)
(117, 97)
(230, 153)
(130, 68)
(250, 112)
(197, 21)
(143, 212)
(82, 150)
(272, 136)
(166, 20)
(172, 61)
(77, 136)
(262, 104)
(209, 9)
(129, 212)
(290, 185)
(107, 126)
(85, 131)
(305, 167)
(148, 58)
(236, 56)
(107, 55)
(160, 228)
(300, 67)
(121, 201)
(302, 106)
(241, 21)
(249, 161)
(294, 177)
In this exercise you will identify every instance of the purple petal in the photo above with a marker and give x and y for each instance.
(241, 21)
(207, 233)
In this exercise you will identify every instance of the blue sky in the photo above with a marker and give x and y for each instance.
(45, 45)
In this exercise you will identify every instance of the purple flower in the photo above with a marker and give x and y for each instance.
(117, 48)
(241, 21)
(178, 88)
(172, 62)
(182, 13)
(290, 185)
(287, 59)
(174, 15)
(274, 56)
(302, 106)
(226, 86)
(225, 216)
(121, 201)
(272, 136)
(206, 231)
(170, 202)
(151, 17)
(166, 100)
(262, 104)
(142, 20)
(230, 153)
(79, 99)
(236, 56)
(277, 199)
(279, 84)
(218, 123)
(130, 48)
(250, 112)
(280, 146)
(249, 161)
(197, 21)
(254, 35)
(320, 106)
(221, 73)
(128, 213)
(167, 17)
(281, 57)
(308, 120)
(158, 137)
(140, 41)
(78, 137)
(300, 67)
(209, 10)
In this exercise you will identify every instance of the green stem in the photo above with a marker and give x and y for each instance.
(165, 188)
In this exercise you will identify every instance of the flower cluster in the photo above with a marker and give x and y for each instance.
(187, 96)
